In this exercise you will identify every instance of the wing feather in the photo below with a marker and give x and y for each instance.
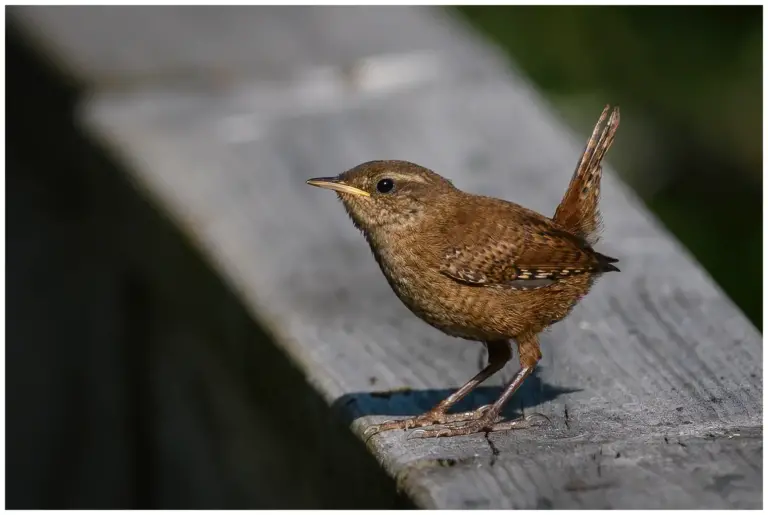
(513, 247)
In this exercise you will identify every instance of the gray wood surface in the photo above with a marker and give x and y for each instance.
(653, 384)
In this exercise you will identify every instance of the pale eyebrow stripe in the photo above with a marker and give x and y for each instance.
(403, 177)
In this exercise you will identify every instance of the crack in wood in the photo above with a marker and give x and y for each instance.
(495, 452)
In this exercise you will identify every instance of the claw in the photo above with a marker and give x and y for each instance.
(431, 418)
(454, 424)
(534, 416)
(370, 431)
(384, 426)
(415, 434)
(478, 425)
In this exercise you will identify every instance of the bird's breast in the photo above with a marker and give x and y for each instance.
(406, 266)
(413, 274)
(407, 274)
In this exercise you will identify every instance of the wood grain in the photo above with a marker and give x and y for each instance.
(653, 384)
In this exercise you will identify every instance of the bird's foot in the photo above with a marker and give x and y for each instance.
(430, 418)
(483, 424)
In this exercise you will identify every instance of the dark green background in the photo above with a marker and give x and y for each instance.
(689, 82)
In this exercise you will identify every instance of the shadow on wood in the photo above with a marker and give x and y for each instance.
(408, 402)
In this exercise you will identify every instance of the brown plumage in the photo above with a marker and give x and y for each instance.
(477, 267)
(578, 211)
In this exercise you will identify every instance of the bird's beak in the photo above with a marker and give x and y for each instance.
(332, 183)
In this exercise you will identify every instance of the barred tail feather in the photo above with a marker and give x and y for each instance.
(578, 212)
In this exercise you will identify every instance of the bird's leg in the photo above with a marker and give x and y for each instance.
(528, 347)
(499, 353)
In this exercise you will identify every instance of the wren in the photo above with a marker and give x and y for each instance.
(478, 267)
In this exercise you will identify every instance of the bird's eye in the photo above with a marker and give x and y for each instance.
(385, 186)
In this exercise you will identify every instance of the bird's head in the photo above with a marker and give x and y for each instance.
(387, 195)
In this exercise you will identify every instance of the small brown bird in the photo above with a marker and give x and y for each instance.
(477, 267)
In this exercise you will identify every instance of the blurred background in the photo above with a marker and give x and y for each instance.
(689, 80)
(109, 379)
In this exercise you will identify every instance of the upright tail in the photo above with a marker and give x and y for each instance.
(578, 211)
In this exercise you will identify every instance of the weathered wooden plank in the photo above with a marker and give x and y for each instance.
(654, 352)
(668, 473)
(220, 47)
